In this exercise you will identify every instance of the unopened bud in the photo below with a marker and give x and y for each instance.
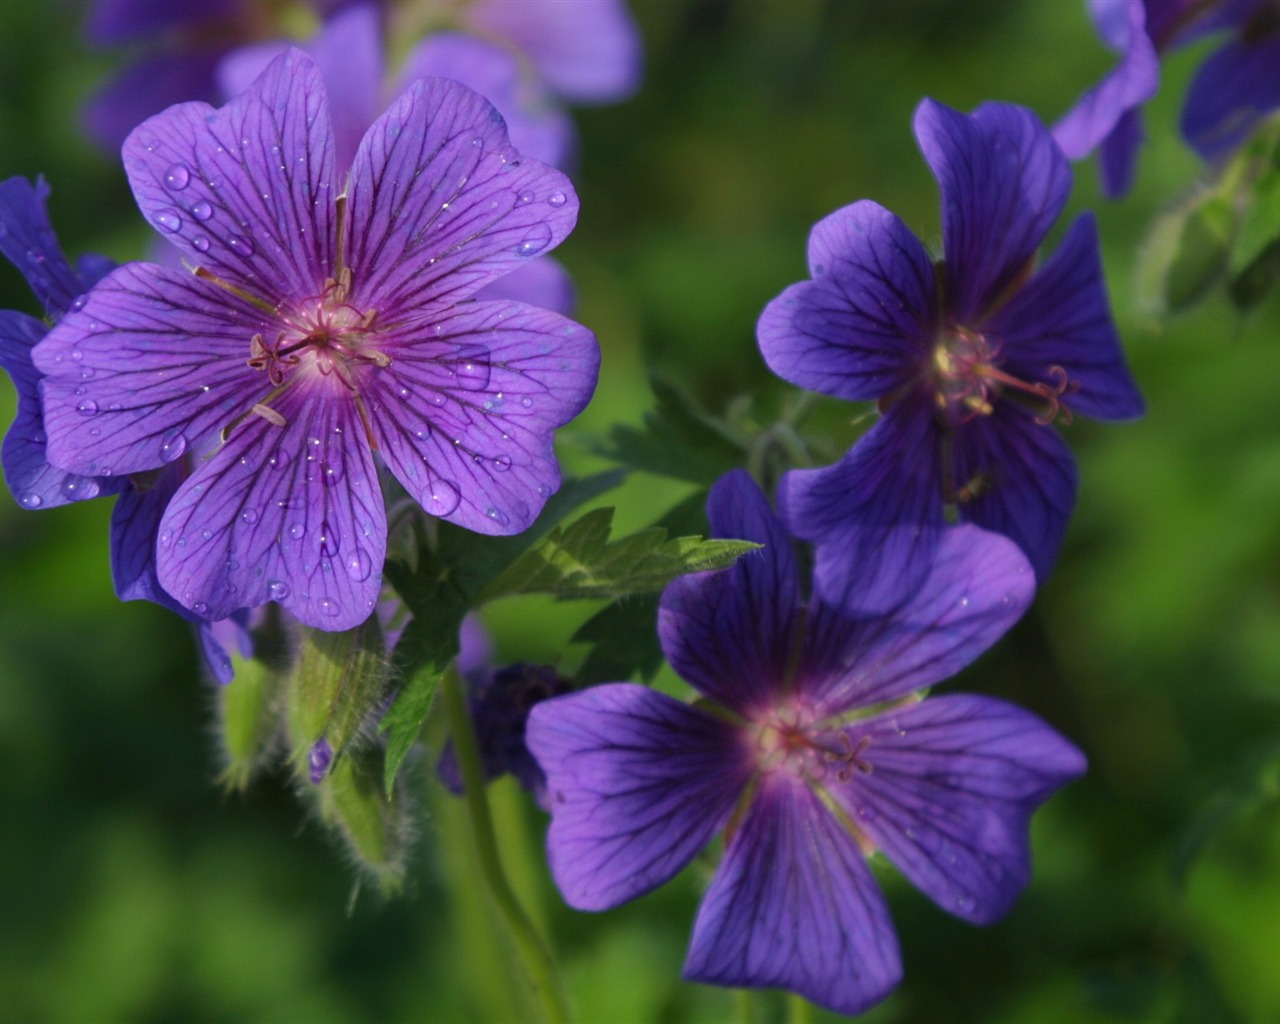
(374, 827)
(249, 706)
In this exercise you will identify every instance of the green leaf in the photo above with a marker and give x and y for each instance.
(625, 641)
(402, 723)
(578, 561)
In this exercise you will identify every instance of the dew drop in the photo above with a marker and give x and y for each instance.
(78, 488)
(279, 459)
(169, 220)
(201, 243)
(200, 608)
(964, 601)
(472, 370)
(331, 471)
(249, 516)
(329, 606)
(502, 463)
(240, 245)
(31, 500)
(556, 199)
(78, 302)
(296, 530)
(327, 539)
(87, 408)
(438, 399)
(177, 177)
(498, 516)
(538, 238)
(524, 198)
(206, 535)
(172, 448)
(359, 565)
(278, 590)
(444, 498)
(526, 402)
(202, 211)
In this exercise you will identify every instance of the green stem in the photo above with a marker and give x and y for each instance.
(532, 951)
(799, 1009)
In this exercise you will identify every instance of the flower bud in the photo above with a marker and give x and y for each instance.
(374, 827)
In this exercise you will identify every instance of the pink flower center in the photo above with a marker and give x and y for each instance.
(791, 740)
(966, 379)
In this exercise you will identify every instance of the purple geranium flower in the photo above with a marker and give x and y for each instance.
(970, 359)
(325, 322)
(811, 748)
(1233, 89)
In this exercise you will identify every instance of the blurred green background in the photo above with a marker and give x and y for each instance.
(132, 889)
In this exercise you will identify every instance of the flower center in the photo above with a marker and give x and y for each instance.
(792, 741)
(966, 378)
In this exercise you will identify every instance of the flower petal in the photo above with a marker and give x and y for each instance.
(28, 242)
(1230, 93)
(1003, 181)
(638, 784)
(1062, 318)
(246, 190)
(978, 585)
(135, 525)
(290, 514)
(33, 482)
(1028, 481)
(1130, 83)
(953, 783)
(588, 51)
(146, 88)
(793, 905)
(731, 634)
(464, 415)
(865, 321)
(542, 282)
(1118, 154)
(154, 361)
(440, 204)
(875, 515)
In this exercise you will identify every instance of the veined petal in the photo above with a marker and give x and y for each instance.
(1062, 318)
(464, 413)
(1132, 82)
(1029, 481)
(731, 634)
(865, 321)
(28, 242)
(953, 783)
(588, 51)
(154, 361)
(1230, 93)
(246, 190)
(793, 905)
(875, 515)
(440, 204)
(638, 784)
(977, 586)
(33, 482)
(135, 525)
(1003, 181)
(542, 282)
(289, 514)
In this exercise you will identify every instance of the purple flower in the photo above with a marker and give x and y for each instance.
(970, 359)
(1232, 90)
(811, 749)
(325, 322)
(28, 241)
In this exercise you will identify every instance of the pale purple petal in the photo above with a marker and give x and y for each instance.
(1003, 181)
(289, 514)
(153, 362)
(28, 242)
(440, 204)
(542, 282)
(1230, 93)
(464, 414)
(876, 514)
(949, 797)
(33, 482)
(978, 585)
(247, 190)
(1028, 481)
(1132, 82)
(732, 634)
(588, 51)
(793, 905)
(536, 125)
(865, 322)
(145, 89)
(1061, 318)
(350, 53)
(638, 784)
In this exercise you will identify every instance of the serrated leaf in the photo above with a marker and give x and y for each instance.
(403, 721)
(577, 561)
(624, 642)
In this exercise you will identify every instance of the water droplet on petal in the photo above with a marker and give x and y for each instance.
(526, 402)
(202, 211)
(296, 530)
(77, 488)
(556, 199)
(78, 302)
(524, 198)
(31, 500)
(87, 408)
(498, 516)
(331, 471)
(472, 370)
(278, 590)
(172, 447)
(169, 220)
(359, 565)
(327, 539)
(200, 608)
(279, 459)
(964, 601)
(537, 239)
(438, 399)
(329, 606)
(201, 243)
(502, 463)
(444, 498)
(177, 177)
(249, 516)
(240, 245)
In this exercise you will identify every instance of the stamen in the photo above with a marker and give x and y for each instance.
(240, 293)
(269, 414)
